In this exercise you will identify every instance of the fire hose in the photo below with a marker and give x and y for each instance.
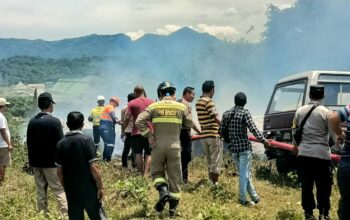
(275, 144)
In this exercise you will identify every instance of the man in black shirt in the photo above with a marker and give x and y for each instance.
(43, 133)
(78, 171)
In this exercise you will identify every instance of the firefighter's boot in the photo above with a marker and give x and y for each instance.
(163, 196)
(172, 206)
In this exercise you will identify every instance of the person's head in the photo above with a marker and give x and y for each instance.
(75, 120)
(139, 91)
(316, 92)
(208, 88)
(3, 104)
(115, 101)
(166, 88)
(100, 100)
(131, 96)
(240, 99)
(188, 94)
(45, 102)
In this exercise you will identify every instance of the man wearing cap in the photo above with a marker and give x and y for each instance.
(108, 119)
(314, 155)
(43, 133)
(5, 140)
(236, 121)
(95, 119)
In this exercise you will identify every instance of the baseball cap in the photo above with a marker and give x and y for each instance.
(3, 102)
(45, 97)
(100, 98)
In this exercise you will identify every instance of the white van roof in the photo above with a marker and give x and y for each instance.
(311, 75)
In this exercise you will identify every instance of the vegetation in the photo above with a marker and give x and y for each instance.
(28, 69)
(130, 196)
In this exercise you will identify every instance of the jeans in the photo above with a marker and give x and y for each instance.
(343, 177)
(243, 162)
(96, 133)
(108, 136)
(314, 171)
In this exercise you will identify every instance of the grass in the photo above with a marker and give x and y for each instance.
(130, 196)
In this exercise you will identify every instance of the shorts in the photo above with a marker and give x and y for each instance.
(140, 144)
(213, 149)
(5, 157)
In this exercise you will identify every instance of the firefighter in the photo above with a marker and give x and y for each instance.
(168, 117)
(108, 119)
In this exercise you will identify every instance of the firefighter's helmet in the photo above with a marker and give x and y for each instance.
(166, 88)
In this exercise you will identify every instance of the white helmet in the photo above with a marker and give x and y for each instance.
(100, 98)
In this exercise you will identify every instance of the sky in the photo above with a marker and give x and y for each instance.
(60, 19)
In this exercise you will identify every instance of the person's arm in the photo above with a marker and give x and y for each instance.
(213, 112)
(334, 121)
(60, 175)
(252, 127)
(6, 138)
(187, 120)
(97, 177)
(141, 124)
(90, 118)
(223, 125)
(142, 120)
(122, 118)
(90, 154)
(196, 128)
(127, 117)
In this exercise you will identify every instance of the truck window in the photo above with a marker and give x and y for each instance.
(287, 97)
(336, 94)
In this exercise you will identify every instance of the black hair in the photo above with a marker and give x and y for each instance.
(131, 96)
(44, 104)
(207, 86)
(240, 99)
(75, 120)
(187, 89)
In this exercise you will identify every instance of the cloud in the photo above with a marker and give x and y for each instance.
(230, 12)
(221, 32)
(135, 35)
(168, 29)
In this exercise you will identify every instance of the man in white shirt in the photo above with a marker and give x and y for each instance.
(5, 140)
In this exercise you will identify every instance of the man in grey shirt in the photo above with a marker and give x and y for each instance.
(314, 155)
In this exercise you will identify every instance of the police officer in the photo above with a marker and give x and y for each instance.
(168, 117)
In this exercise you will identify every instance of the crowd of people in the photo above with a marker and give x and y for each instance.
(158, 134)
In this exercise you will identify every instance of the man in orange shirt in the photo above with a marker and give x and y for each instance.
(108, 119)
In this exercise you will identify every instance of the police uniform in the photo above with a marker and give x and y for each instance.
(168, 117)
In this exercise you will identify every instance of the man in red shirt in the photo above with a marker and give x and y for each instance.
(139, 143)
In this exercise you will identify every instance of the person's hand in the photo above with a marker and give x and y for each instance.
(100, 194)
(10, 148)
(119, 122)
(267, 144)
(122, 135)
(152, 140)
(295, 150)
(340, 138)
